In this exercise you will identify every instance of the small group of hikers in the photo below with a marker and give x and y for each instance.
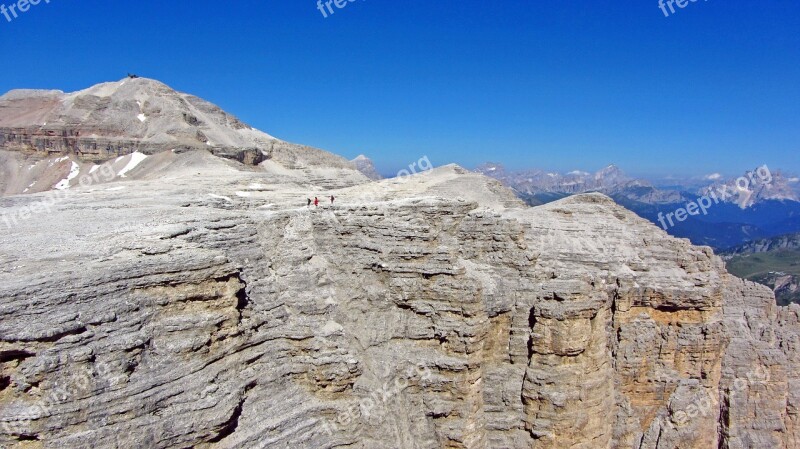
(316, 201)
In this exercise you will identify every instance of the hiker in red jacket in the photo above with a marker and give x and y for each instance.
(316, 202)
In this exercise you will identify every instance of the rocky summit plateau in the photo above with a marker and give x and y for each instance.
(164, 285)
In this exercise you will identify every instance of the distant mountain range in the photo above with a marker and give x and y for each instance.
(761, 185)
(766, 205)
(789, 242)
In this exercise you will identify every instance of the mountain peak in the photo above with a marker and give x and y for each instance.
(114, 119)
(141, 113)
(366, 167)
(611, 171)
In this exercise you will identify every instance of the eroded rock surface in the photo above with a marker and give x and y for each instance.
(434, 311)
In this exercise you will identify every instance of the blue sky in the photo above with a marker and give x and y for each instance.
(556, 85)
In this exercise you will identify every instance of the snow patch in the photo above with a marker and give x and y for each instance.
(73, 173)
(115, 188)
(136, 159)
(220, 197)
(243, 194)
(141, 117)
(93, 169)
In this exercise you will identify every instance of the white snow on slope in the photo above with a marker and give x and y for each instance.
(73, 173)
(136, 159)
(220, 197)
(141, 117)
(56, 161)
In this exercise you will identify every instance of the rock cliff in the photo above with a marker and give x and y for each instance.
(174, 299)
(217, 311)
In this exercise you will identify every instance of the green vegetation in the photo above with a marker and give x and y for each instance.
(779, 270)
(749, 265)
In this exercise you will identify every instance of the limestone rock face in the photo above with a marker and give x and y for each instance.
(436, 311)
(759, 390)
(114, 119)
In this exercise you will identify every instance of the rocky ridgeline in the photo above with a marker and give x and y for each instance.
(197, 302)
(410, 321)
(790, 242)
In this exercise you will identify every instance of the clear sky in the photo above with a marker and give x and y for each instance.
(559, 85)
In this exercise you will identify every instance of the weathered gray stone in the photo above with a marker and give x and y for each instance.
(197, 302)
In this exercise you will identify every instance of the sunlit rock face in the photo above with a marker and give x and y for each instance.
(200, 302)
(210, 319)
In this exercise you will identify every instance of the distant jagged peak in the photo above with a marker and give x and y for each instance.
(534, 181)
(610, 174)
(365, 165)
(610, 168)
(753, 187)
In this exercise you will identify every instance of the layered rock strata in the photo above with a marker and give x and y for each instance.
(409, 321)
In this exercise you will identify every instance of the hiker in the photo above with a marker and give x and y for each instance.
(309, 202)
(316, 202)
(332, 198)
